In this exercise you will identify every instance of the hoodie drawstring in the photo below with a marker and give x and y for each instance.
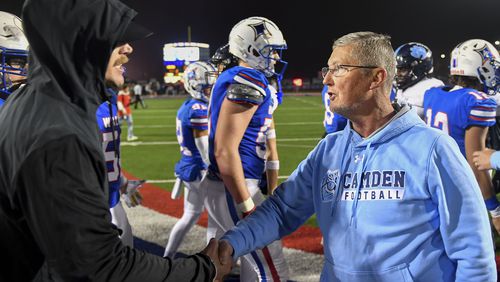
(344, 165)
(359, 173)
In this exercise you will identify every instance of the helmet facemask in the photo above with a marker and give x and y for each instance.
(414, 63)
(13, 68)
(199, 77)
(479, 59)
(489, 75)
(13, 52)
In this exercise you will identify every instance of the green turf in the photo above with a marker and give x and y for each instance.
(298, 127)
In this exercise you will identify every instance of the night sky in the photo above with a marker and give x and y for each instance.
(309, 26)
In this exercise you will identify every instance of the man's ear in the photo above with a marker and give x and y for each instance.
(379, 78)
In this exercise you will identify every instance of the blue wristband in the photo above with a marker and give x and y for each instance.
(491, 203)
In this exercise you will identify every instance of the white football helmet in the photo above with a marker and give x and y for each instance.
(198, 77)
(13, 49)
(258, 42)
(477, 58)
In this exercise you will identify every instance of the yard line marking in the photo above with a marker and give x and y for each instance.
(317, 105)
(156, 181)
(297, 146)
(140, 143)
(147, 112)
(277, 124)
(152, 143)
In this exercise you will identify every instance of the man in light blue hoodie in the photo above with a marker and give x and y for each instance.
(395, 200)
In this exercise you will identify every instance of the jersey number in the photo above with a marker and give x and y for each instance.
(180, 138)
(261, 138)
(110, 156)
(440, 120)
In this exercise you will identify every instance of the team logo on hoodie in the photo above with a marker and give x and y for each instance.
(329, 184)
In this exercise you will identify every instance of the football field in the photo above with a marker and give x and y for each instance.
(298, 126)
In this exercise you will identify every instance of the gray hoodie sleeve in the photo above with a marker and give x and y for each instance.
(62, 194)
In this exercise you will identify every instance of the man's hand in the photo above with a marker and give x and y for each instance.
(132, 196)
(225, 252)
(496, 223)
(213, 250)
(481, 159)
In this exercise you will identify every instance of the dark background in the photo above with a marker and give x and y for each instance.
(309, 26)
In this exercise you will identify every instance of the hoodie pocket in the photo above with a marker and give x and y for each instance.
(396, 273)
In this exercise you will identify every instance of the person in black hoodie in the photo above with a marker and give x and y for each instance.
(55, 223)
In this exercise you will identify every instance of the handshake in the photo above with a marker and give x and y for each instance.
(220, 252)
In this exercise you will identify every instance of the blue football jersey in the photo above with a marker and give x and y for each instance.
(333, 122)
(252, 147)
(392, 96)
(111, 153)
(453, 110)
(191, 115)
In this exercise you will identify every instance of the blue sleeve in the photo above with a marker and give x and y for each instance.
(198, 116)
(481, 110)
(495, 160)
(464, 224)
(281, 214)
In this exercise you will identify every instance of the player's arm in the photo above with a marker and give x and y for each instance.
(463, 221)
(120, 106)
(233, 121)
(475, 139)
(70, 221)
(201, 141)
(272, 160)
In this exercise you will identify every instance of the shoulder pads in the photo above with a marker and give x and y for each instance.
(241, 93)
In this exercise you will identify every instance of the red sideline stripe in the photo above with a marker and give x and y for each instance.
(306, 238)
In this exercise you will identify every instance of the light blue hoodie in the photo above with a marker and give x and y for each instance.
(419, 215)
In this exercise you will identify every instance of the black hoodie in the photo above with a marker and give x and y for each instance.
(53, 186)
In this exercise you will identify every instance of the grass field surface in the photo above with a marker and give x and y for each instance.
(298, 125)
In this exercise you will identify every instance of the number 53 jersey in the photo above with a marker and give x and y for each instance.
(245, 86)
(453, 110)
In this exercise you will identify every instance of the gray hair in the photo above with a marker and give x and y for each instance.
(372, 49)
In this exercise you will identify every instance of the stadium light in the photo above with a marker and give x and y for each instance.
(497, 42)
(443, 56)
(297, 82)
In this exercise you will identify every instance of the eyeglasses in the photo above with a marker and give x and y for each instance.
(340, 70)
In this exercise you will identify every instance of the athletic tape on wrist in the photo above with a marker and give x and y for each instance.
(492, 203)
(495, 213)
(273, 165)
(246, 205)
(271, 134)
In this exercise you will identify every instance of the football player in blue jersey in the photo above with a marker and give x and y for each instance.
(107, 120)
(489, 158)
(414, 65)
(13, 55)
(269, 181)
(192, 135)
(332, 122)
(240, 114)
(465, 112)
